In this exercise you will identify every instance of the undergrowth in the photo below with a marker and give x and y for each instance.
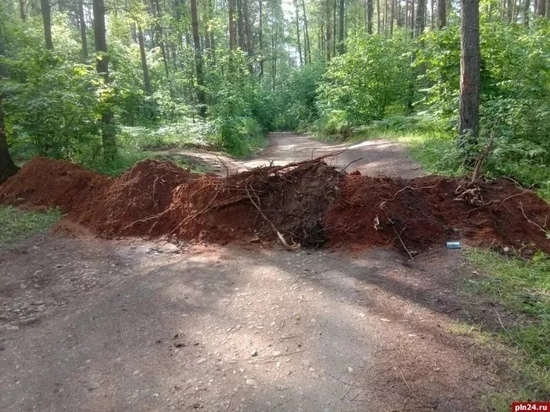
(523, 289)
(18, 225)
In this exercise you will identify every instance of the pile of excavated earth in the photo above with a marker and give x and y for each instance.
(308, 204)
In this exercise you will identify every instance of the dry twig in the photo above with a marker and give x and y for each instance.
(403, 243)
(279, 235)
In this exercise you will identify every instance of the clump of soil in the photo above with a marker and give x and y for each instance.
(307, 204)
(44, 183)
(257, 204)
(415, 214)
(124, 206)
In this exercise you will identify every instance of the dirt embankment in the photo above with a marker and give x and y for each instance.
(307, 203)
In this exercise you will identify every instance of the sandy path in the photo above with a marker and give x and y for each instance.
(372, 157)
(131, 325)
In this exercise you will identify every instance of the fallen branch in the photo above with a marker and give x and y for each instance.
(545, 231)
(402, 190)
(224, 165)
(407, 384)
(279, 235)
(403, 243)
(511, 197)
(350, 163)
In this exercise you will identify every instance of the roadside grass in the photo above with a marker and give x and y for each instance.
(523, 289)
(18, 225)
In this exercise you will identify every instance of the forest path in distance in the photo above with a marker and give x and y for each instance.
(371, 157)
(88, 324)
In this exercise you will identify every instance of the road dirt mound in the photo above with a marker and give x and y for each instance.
(307, 203)
(43, 183)
(123, 208)
(415, 214)
(264, 203)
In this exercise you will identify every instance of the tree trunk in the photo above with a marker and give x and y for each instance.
(108, 132)
(392, 16)
(329, 32)
(164, 54)
(420, 23)
(541, 8)
(335, 27)
(47, 20)
(248, 35)
(273, 51)
(386, 14)
(468, 125)
(298, 33)
(198, 58)
(22, 10)
(260, 38)
(341, 35)
(240, 29)
(145, 68)
(526, 12)
(442, 13)
(231, 24)
(370, 4)
(378, 20)
(7, 166)
(82, 26)
(307, 39)
(412, 21)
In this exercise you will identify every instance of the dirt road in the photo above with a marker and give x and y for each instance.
(131, 325)
(373, 157)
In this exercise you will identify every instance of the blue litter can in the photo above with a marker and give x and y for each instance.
(454, 245)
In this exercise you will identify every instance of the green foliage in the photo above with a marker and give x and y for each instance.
(235, 100)
(523, 288)
(50, 102)
(364, 83)
(296, 101)
(18, 225)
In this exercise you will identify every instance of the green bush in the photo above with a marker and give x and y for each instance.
(362, 84)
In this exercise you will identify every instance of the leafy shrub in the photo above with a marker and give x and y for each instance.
(362, 84)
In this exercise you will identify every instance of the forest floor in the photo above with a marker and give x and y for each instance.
(89, 324)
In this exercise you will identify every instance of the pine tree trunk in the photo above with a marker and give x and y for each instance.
(108, 131)
(341, 35)
(298, 33)
(198, 58)
(541, 8)
(47, 20)
(442, 13)
(248, 35)
(7, 166)
(370, 4)
(158, 13)
(468, 125)
(82, 26)
(420, 23)
(260, 37)
(145, 68)
(392, 16)
(240, 29)
(231, 24)
(335, 23)
(307, 39)
(378, 22)
(22, 11)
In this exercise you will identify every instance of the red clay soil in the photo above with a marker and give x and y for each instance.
(308, 203)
